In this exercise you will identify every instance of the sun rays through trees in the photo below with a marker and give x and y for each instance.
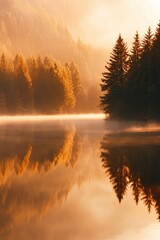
(37, 85)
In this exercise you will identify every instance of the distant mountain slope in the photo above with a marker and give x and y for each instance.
(27, 27)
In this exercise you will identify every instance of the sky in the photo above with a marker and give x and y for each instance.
(95, 22)
(99, 22)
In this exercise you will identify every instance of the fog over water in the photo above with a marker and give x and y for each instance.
(57, 179)
(72, 176)
(51, 117)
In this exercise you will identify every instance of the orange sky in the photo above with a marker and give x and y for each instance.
(95, 22)
(100, 21)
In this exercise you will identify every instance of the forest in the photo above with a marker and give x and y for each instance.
(131, 83)
(35, 38)
(37, 85)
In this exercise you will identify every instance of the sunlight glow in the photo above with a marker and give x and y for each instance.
(154, 3)
(51, 117)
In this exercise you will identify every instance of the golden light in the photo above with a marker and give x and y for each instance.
(51, 117)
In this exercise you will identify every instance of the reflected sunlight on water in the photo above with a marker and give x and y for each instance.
(65, 181)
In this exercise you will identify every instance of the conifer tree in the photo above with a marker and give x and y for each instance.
(147, 41)
(23, 83)
(53, 88)
(76, 82)
(132, 94)
(154, 87)
(70, 99)
(114, 79)
(145, 76)
(6, 83)
(76, 78)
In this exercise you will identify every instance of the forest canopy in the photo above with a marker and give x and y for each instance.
(131, 82)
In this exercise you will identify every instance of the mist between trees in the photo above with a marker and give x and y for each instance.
(131, 83)
(37, 85)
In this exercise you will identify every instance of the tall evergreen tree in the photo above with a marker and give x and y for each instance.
(23, 83)
(6, 83)
(145, 76)
(70, 99)
(147, 41)
(76, 78)
(132, 93)
(76, 82)
(114, 79)
(154, 87)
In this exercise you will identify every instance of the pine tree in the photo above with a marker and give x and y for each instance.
(135, 52)
(145, 76)
(23, 83)
(70, 99)
(154, 86)
(76, 82)
(114, 79)
(132, 85)
(147, 42)
(6, 83)
(76, 78)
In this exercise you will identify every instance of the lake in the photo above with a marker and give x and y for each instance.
(78, 179)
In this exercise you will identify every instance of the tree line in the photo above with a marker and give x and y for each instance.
(131, 83)
(37, 85)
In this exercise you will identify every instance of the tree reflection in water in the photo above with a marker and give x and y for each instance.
(133, 161)
(36, 147)
(31, 151)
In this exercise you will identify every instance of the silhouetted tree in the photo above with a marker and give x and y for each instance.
(131, 85)
(145, 75)
(114, 79)
(154, 86)
(132, 91)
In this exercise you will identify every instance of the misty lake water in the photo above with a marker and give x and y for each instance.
(76, 179)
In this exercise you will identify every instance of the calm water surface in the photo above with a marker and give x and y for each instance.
(77, 180)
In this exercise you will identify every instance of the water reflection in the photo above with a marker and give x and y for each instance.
(36, 148)
(28, 186)
(53, 186)
(133, 161)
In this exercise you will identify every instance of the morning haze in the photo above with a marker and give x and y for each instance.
(79, 119)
